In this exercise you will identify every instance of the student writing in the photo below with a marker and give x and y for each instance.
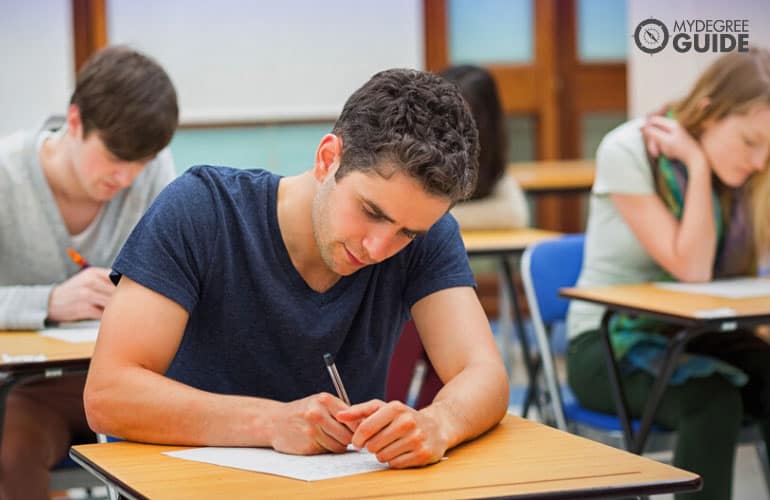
(80, 183)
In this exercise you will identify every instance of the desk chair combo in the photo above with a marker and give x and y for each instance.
(517, 459)
(547, 267)
(61, 359)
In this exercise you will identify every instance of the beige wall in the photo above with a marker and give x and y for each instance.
(656, 79)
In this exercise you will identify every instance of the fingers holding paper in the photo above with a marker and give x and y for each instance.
(307, 426)
(397, 434)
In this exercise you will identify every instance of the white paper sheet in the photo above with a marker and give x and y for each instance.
(305, 467)
(75, 332)
(719, 312)
(22, 358)
(738, 288)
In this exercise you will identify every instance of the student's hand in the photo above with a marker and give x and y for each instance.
(308, 427)
(666, 136)
(397, 434)
(83, 296)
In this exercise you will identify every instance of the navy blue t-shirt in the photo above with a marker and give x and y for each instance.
(211, 243)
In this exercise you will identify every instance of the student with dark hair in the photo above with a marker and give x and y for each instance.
(236, 283)
(79, 183)
(497, 202)
(683, 195)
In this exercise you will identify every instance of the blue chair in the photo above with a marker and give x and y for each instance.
(545, 268)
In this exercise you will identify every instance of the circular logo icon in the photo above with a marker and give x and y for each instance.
(651, 36)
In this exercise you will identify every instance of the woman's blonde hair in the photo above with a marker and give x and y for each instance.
(734, 84)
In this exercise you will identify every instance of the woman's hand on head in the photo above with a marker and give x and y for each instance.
(667, 137)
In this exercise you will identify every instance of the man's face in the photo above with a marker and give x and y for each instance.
(365, 218)
(100, 173)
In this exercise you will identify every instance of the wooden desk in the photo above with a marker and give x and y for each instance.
(554, 176)
(670, 305)
(504, 244)
(504, 241)
(676, 307)
(62, 358)
(517, 459)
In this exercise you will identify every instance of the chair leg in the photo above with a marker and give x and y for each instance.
(532, 395)
(759, 445)
(112, 493)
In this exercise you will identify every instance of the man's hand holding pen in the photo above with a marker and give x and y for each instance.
(308, 426)
(322, 423)
(396, 433)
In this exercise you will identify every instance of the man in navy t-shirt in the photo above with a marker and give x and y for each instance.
(236, 282)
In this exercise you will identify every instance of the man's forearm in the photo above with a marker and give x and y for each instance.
(23, 307)
(472, 402)
(140, 405)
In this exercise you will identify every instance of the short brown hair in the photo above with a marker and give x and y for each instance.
(415, 122)
(129, 100)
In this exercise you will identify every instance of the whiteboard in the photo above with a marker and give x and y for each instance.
(37, 63)
(242, 61)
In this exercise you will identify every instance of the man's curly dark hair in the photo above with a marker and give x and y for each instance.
(415, 122)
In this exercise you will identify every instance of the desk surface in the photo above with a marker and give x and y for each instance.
(518, 459)
(56, 351)
(682, 306)
(504, 240)
(554, 176)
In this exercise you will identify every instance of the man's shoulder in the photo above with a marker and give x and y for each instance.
(13, 144)
(203, 187)
(444, 228)
(12, 150)
(444, 234)
(228, 176)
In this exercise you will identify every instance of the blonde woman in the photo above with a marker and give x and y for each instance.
(683, 195)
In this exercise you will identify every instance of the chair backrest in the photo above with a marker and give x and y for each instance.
(554, 264)
(546, 267)
(411, 377)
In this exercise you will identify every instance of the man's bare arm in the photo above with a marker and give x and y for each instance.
(456, 335)
(128, 396)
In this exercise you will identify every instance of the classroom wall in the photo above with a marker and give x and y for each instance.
(284, 149)
(656, 79)
(241, 60)
(288, 65)
(36, 56)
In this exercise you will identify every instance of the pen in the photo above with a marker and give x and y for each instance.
(77, 258)
(336, 380)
